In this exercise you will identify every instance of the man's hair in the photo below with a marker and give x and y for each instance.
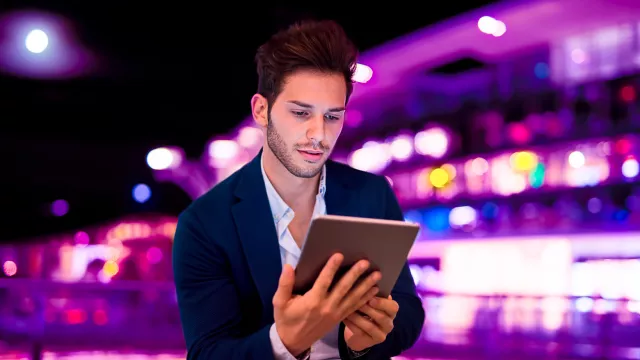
(320, 46)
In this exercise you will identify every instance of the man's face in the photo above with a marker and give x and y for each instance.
(306, 120)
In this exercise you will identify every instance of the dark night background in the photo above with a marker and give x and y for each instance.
(170, 74)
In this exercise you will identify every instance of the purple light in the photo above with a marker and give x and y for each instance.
(141, 193)
(81, 238)
(59, 207)
(41, 45)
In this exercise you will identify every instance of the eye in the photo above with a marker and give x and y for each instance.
(332, 117)
(299, 113)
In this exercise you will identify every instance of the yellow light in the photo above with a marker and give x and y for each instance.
(524, 161)
(439, 178)
(110, 268)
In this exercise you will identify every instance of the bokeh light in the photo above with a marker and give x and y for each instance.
(59, 207)
(362, 74)
(141, 193)
(164, 158)
(37, 41)
(9, 268)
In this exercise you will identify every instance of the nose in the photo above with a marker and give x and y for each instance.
(316, 129)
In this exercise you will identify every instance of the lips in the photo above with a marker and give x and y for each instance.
(312, 152)
(311, 155)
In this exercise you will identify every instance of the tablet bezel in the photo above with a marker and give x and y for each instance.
(385, 243)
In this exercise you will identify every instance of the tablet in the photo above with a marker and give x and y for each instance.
(385, 243)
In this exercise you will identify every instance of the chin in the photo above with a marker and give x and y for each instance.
(309, 170)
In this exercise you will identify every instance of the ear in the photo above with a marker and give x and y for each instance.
(260, 110)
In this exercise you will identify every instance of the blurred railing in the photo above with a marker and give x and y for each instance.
(41, 315)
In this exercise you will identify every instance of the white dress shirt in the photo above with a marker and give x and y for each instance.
(327, 347)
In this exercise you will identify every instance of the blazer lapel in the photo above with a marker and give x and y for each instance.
(257, 232)
(339, 198)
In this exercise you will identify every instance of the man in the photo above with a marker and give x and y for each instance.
(236, 246)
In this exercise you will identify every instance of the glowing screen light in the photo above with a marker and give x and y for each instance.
(37, 41)
(141, 193)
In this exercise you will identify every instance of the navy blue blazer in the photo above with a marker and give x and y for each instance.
(226, 262)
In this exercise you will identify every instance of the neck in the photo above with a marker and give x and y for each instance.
(295, 191)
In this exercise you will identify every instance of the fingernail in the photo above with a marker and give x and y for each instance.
(364, 265)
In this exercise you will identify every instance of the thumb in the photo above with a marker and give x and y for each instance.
(285, 287)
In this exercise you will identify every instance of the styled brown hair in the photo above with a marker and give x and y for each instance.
(321, 46)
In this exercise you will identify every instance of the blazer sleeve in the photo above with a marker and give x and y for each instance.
(410, 318)
(208, 301)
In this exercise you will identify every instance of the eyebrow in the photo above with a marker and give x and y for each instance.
(309, 106)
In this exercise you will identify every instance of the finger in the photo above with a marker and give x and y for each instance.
(285, 287)
(346, 282)
(354, 328)
(325, 279)
(346, 309)
(368, 327)
(361, 292)
(367, 297)
(389, 306)
(384, 321)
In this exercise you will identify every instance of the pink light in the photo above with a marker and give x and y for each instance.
(223, 152)
(81, 238)
(154, 255)
(10, 268)
(578, 56)
(250, 137)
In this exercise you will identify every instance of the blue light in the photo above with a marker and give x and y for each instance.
(621, 215)
(141, 193)
(490, 211)
(413, 216)
(437, 219)
(541, 70)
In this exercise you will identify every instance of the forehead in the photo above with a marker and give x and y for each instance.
(318, 89)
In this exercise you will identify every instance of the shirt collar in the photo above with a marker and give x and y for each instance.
(278, 207)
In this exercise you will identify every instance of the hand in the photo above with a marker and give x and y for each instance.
(301, 320)
(371, 324)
